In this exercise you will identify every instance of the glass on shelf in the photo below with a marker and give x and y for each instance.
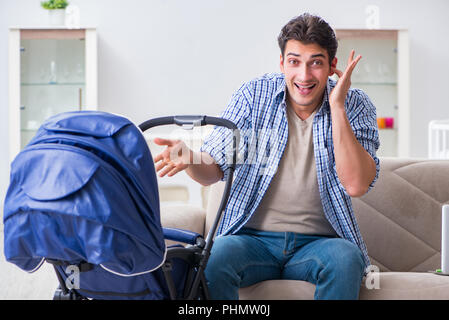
(53, 76)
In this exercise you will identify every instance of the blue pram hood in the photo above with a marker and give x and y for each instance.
(85, 189)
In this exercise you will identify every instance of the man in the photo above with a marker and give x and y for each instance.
(309, 144)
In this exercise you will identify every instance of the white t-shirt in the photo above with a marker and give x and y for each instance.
(292, 202)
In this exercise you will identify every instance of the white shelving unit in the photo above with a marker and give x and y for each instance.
(383, 73)
(51, 70)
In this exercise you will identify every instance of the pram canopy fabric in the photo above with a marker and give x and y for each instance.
(85, 189)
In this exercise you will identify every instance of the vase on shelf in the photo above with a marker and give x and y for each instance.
(56, 17)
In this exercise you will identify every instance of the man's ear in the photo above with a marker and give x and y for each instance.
(281, 63)
(333, 66)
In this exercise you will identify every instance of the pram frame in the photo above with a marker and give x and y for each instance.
(196, 254)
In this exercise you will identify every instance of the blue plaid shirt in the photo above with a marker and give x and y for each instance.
(258, 109)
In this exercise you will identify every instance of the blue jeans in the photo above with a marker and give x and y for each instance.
(334, 265)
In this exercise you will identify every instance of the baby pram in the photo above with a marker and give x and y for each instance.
(83, 197)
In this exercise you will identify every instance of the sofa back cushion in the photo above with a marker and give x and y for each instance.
(400, 218)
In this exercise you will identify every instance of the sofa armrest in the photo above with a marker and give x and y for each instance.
(186, 217)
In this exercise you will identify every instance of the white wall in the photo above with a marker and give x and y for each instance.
(160, 57)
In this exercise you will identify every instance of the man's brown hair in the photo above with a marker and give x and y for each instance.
(308, 29)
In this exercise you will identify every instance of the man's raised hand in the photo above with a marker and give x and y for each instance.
(175, 158)
(338, 95)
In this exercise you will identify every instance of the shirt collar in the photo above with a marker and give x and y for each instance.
(282, 89)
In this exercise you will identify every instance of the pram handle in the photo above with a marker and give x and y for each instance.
(190, 121)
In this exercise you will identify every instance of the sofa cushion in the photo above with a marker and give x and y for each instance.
(278, 290)
(392, 286)
(408, 286)
(400, 218)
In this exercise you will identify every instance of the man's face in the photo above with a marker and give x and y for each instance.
(306, 69)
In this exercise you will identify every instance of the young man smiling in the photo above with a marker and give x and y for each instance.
(309, 145)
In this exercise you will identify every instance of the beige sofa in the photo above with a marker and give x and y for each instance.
(400, 220)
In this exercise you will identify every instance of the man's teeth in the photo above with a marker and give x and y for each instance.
(305, 87)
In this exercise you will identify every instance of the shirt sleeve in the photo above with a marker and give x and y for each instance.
(218, 144)
(363, 120)
(364, 125)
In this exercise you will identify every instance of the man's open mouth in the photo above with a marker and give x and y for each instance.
(305, 88)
